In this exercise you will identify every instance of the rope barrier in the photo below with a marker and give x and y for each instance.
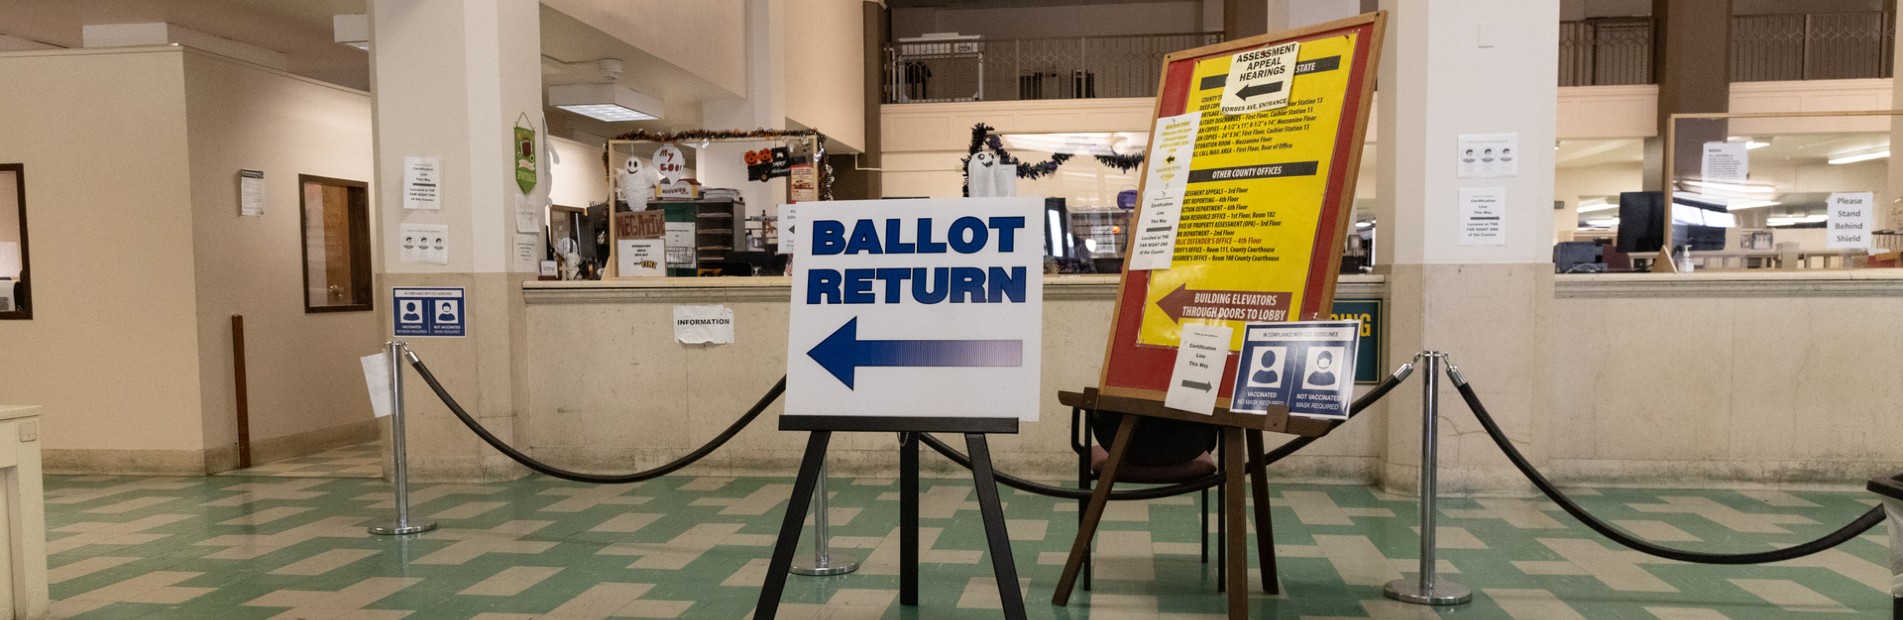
(1280, 452)
(1843, 534)
(531, 463)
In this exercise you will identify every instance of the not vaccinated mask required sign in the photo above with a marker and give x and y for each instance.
(917, 308)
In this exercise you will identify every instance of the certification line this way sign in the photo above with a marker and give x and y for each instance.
(916, 308)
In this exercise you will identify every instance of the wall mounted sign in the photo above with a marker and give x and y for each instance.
(428, 311)
(251, 192)
(421, 185)
(525, 170)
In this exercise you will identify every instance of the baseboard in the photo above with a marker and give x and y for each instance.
(124, 462)
(312, 442)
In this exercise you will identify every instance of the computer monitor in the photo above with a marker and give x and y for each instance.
(1641, 222)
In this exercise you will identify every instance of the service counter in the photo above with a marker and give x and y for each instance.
(1775, 377)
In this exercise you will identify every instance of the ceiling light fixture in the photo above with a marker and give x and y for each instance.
(1734, 187)
(1749, 144)
(1592, 205)
(606, 101)
(1851, 159)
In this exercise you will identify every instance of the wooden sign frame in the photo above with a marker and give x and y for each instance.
(1137, 372)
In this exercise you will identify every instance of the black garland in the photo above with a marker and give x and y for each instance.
(982, 137)
(821, 165)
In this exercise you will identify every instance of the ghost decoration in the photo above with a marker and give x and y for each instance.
(981, 175)
(1006, 183)
(636, 184)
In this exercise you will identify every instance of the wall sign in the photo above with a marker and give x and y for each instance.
(1485, 155)
(1850, 218)
(525, 158)
(917, 308)
(1371, 351)
(251, 192)
(428, 311)
(421, 188)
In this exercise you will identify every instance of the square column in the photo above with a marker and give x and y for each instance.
(1451, 69)
(450, 79)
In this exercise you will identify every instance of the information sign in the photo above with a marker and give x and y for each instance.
(1303, 367)
(428, 311)
(917, 308)
(1265, 206)
(1373, 338)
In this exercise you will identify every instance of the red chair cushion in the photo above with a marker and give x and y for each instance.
(1202, 466)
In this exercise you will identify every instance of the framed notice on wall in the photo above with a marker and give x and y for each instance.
(1247, 194)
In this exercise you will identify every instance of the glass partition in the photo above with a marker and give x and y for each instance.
(336, 218)
(15, 295)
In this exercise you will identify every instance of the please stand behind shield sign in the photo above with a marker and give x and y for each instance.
(917, 308)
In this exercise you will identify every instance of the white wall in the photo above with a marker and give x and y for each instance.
(825, 88)
(306, 388)
(578, 178)
(705, 38)
(110, 352)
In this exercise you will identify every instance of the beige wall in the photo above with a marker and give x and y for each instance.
(303, 373)
(110, 350)
(703, 38)
(825, 41)
(579, 179)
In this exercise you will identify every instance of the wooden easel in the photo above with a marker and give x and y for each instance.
(989, 507)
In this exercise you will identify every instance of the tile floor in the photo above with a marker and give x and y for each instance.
(234, 547)
(358, 461)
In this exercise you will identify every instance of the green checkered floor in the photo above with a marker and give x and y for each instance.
(696, 547)
(358, 461)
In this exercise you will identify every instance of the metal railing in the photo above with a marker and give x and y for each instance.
(1027, 69)
(1815, 46)
(1605, 51)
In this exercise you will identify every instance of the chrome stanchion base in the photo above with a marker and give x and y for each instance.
(400, 530)
(835, 565)
(1444, 592)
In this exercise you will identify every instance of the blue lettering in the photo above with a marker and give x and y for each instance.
(925, 243)
(892, 243)
(865, 239)
(1005, 227)
(894, 282)
(968, 235)
(822, 285)
(935, 293)
(829, 237)
(1004, 285)
(859, 286)
(968, 283)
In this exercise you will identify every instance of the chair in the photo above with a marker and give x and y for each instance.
(1165, 452)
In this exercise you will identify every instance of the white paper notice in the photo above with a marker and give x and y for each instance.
(789, 218)
(1483, 216)
(424, 243)
(1725, 162)
(1849, 219)
(1259, 79)
(528, 214)
(527, 251)
(703, 324)
(635, 258)
(1166, 177)
(421, 176)
(251, 192)
(680, 244)
(376, 376)
(1484, 155)
(1199, 363)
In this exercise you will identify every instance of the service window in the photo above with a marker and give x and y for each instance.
(336, 229)
(15, 297)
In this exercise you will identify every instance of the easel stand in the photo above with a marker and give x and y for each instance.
(812, 464)
(1236, 428)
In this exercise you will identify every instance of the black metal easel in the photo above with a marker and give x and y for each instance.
(822, 428)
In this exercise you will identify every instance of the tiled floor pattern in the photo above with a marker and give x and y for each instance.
(695, 547)
(358, 461)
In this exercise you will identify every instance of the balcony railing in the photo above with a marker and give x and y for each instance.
(1764, 48)
(972, 69)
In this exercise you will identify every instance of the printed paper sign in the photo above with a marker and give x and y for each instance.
(788, 232)
(1308, 367)
(1850, 218)
(428, 311)
(1725, 162)
(1199, 365)
(640, 258)
(1483, 216)
(1488, 155)
(424, 243)
(917, 308)
(703, 324)
(251, 192)
(1165, 178)
(1259, 79)
(376, 376)
(680, 244)
(421, 183)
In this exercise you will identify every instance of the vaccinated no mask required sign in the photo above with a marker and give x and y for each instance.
(917, 308)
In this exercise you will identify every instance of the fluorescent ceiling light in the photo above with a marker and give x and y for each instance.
(1364, 224)
(605, 102)
(1603, 222)
(352, 30)
(1794, 220)
(1749, 144)
(1730, 204)
(1593, 205)
(1733, 187)
(1851, 159)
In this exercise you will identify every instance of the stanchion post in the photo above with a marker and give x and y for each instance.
(824, 564)
(1429, 590)
(399, 464)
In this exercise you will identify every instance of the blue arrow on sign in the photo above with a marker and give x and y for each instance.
(843, 352)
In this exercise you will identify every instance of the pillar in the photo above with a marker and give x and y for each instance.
(1892, 216)
(449, 79)
(762, 107)
(1452, 68)
(1689, 40)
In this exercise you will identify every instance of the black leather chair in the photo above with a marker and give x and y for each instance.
(1163, 452)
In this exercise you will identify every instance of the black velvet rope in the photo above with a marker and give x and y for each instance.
(1840, 536)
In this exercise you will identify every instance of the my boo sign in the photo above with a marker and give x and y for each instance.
(916, 308)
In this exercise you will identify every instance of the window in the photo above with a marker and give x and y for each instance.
(336, 244)
(15, 299)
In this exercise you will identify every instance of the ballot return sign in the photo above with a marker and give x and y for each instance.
(916, 308)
